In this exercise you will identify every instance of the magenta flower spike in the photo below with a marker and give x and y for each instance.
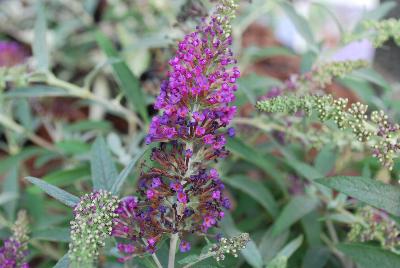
(182, 194)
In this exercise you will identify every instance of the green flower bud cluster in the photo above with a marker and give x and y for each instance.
(230, 246)
(226, 10)
(20, 229)
(323, 74)
(375, 225)
(15, 75)
(93, 223)
(383, 30)
(375, 131)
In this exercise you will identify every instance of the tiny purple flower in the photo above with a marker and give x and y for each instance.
(184, 246)
(216, 194)
(156, 182)
(150, 193)
(182, 198)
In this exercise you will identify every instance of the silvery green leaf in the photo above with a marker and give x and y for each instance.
(59, 194)
(103, 169)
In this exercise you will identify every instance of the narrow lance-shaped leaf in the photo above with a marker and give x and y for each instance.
(374, 193)
(297, 208)
(11, 185)
(129, 83)
(256, 190)
(103, 169)
(52, 234)
(249, 154)
(270, 245)
(63, 262)
(116, 187)
(40, 50)
(281, 259)
(59, 194)
(300, 23)
(369, 256)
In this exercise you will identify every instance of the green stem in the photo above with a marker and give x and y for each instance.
(172, 250)
(156, 260)
(14, 126)
(84, 93)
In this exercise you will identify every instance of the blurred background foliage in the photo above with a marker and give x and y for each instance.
(76, 70)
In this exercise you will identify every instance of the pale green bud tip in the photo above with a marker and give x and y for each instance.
(94, 219)
(230, 246)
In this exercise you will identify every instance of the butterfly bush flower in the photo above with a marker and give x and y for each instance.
(180, 194)
(92, 224)
(11, 54)
(15, 249)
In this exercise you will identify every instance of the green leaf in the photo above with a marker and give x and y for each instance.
(67, 176)
(24, 114)
(256, 190)
(312, 228)
(307, 61)
(88, 125)
(189, 259)
(299, 22)
(270, 245)
(9, 162)
(250, 155)
(7, 197)
(250, 253)
(129, 83)
(73, 147)
(63, 262)
(290, 248)
(278, 262)
(40, 50)
(325, 160)
(370, 75)
(11, 185)
(52, 234)
(103, 169)
(119, 181)
(369, 256)
(297, 208)
(59, 194)
(374, 193)
(303, 169)
(36, 92)
(316, 257)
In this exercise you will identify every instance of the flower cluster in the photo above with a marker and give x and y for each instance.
(317, 79)
(92, 224)
(179, 193)
(195, 98)
(230, 246)
(375, 225)
(15, 76)
(375, 131)
(383, 30)
(179, 196)
(11, 54)
(15, 249)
